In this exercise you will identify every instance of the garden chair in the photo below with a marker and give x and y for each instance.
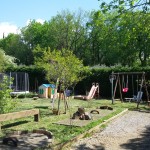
(135, 98)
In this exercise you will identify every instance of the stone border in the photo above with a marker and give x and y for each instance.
(92, 130)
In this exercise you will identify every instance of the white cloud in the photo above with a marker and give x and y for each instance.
(37, 20)
(6, 28)
(40, 20)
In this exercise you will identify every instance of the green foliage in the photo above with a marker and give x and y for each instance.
(115, 34)
(14, 45)
(6, 102)
(27, 95)
(36, 75)
(61, 64)
(123, 5)
(96, 73)
(5, 60)
(100, 74)
(21, 96)
(119, 40)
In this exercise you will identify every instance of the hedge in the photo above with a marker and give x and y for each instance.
(98, 75)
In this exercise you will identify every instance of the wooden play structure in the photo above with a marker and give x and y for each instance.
(46, 90)
(64, 95)
(94, 93)
(126, 82)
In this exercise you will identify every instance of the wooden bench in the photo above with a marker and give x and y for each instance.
(20, 114)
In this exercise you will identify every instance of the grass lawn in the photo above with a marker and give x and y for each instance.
(61, 133)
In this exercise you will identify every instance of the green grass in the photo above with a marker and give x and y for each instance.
(61, 133)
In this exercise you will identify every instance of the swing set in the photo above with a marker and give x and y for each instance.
(122, 79)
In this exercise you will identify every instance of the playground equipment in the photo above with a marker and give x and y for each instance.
(18, 82)
(124, 88)
(46, 90)
(135, 98)
(94, 92)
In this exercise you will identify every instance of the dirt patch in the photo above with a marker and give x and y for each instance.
(25, 141)
(80, 123)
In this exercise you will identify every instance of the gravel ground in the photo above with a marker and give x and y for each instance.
(128, 132)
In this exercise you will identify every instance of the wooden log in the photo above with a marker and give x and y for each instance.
(21, 114)
(16, 115)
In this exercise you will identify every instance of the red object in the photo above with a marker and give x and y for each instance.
(125, 90)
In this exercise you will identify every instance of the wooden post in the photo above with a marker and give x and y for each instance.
(36, 117)
(141, 85)
(58, 112)
(114, 93)
(120, 90)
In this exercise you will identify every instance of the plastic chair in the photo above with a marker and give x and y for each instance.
(136, 98)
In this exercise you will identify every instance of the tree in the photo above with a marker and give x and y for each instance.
(98, 33)
(6, 102)
(134, 28)
(119, 40)
(14, 45)
(123, 6)
(6, 60)
(61, 64)
(67, 30)
(137, 14)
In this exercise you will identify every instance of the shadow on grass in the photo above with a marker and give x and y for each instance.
(41, 107)
(139, 143)
(14, 124)
(95, 147)
(145, 110)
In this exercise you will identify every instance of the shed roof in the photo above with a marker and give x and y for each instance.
(49, 85)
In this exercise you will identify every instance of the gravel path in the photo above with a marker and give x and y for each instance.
(128, 132)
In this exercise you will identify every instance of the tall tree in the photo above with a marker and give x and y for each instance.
(5, 60)
(15, 46)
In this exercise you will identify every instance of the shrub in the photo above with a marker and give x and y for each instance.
(21, 96)
(27, 95)
(6, 102)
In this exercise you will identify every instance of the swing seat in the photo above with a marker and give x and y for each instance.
(125, 90)
(135, 98)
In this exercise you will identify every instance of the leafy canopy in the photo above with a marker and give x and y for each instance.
(60, 64)
(6, 60)
(124, 5)
(6, 102)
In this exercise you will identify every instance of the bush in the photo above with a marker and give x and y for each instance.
(21, 96)
(6, 102)
(27, 95)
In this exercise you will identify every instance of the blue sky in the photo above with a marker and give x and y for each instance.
(15, 14)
